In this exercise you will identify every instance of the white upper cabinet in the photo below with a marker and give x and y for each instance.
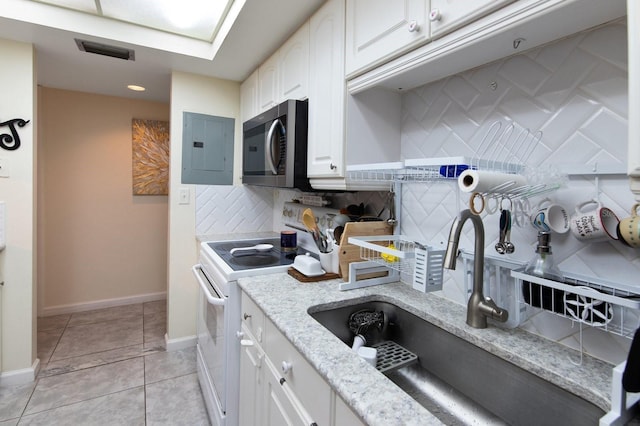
(378, 30)
(268, 93)
(284, 75)
(448, 15)
(293, 66)
(327, 90)
(249, 97)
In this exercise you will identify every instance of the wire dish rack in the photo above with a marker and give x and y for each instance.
(611, 307)
(410, 258)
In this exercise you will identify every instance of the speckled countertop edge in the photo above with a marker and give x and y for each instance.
(376, 399)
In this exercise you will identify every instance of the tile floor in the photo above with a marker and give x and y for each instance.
(107, 367)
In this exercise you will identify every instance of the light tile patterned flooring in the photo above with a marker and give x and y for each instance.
(107, 367)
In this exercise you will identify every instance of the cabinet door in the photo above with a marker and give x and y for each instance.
(447, 15)
(251, 381)
(268, 84)
(281, 407)
(327, 90)
(249, 97)
(377, 30)
(293, 67)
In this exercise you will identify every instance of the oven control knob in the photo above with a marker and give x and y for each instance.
(286, 367)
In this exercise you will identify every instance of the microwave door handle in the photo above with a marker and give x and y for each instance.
(212, 300)
(272, 129)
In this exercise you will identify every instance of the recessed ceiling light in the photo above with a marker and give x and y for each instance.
(136, 88)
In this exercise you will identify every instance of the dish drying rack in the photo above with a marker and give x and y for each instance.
(401, 257)
(501, 150)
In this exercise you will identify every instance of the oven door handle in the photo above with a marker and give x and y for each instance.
(196, 269)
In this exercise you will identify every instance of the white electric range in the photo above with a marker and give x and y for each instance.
(218, 321)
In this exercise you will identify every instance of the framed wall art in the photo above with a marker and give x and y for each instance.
(150, 143)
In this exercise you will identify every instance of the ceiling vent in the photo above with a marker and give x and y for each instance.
(106, 50)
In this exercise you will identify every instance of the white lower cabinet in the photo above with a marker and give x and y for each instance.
(277, 385)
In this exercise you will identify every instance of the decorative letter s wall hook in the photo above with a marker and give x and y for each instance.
(11, 141)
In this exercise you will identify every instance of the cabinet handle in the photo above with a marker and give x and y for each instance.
(286, 367)
(435, 15)
(246, 316)
(333, 166)
(246, 342)
(239, 334)
(414, 27)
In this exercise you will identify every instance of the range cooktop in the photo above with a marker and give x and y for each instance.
(254, 259)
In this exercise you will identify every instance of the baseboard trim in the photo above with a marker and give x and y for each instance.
(179, 344)
(21, 376)
(101, 304)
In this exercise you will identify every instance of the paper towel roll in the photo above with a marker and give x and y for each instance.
(481, 181)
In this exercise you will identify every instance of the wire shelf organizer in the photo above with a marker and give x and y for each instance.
(406, 257)
(505, 151)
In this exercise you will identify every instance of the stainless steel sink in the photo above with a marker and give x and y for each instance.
(458, 382)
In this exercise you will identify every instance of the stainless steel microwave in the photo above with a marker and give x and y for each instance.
(274, 147)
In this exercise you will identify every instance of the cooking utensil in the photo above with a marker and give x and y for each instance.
(508, 245)
(500, 245)
(257, 247)
(309, 220)
(337, 234)
(392, 209)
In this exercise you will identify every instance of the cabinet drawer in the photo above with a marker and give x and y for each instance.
(304, 381)
(252, 317)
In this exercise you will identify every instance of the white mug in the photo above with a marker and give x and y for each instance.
(592, 222)
(549, 217)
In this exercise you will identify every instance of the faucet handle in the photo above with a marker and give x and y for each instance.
(489, 308)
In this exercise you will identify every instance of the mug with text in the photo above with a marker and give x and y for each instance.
(593, 222)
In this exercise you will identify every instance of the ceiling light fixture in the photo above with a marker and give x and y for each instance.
(188, 13)
(136, 88)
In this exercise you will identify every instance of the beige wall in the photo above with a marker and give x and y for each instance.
(201, 95)
(18, 260)
(100, 244)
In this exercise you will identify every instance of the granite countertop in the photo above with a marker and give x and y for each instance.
(376, 399)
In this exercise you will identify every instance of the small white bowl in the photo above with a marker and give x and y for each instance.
(308, 265)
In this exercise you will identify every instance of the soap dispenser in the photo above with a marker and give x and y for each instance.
(542, 265)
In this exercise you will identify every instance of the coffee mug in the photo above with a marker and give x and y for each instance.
(592, 222)
(628, 230)
(549, 217)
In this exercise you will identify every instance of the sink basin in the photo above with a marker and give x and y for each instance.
(458, 382)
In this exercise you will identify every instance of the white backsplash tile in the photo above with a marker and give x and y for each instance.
(231, 209)
(575, 91)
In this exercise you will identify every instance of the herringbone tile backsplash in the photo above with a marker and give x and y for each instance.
(575, 92)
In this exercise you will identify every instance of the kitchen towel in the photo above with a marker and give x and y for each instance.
(482, 181)
(631, 375)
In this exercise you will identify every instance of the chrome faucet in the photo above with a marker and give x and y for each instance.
(479, 307)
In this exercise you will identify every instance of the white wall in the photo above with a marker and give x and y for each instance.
(100, 245)
(201, 95)
(575, 91)
(18, 260)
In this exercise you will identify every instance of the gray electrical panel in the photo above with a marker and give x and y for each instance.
(207, 149)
